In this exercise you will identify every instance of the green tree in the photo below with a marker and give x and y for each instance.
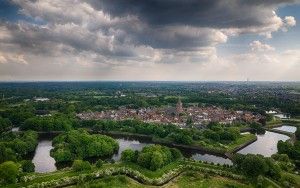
(5, 124)
(128, 155)
(155, 156)
(6, 154)
(79, 165)
(80, 144)
(297, 133)
(9, 172)
(27, 166)
(253, 166)
(99, 163)
(156, 161)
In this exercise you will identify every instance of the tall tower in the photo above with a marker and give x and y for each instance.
(179, 108)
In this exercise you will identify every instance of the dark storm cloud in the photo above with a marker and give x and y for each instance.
(199, 13)
(135, 29)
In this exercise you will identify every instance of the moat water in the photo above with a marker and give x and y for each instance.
(265, 145)
(287, 128)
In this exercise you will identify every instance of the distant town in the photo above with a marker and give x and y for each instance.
(178, 115)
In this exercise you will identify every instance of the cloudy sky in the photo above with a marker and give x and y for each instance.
(149, 40)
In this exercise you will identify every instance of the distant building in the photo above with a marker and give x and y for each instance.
(271, 112)
(179, 108)
(40, 99)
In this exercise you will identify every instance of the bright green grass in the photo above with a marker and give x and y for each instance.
(193, 179)
(69, 173)
(215, 146)
(152, 174)
(274, 122)
(243, 139)
(119, 181)
(293, 176)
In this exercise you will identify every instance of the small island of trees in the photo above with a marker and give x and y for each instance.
(79, 144)
(152, 157)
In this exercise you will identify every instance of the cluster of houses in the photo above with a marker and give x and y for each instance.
(197, 116)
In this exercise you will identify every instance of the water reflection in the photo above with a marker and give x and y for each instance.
(127, 143)
(139, 144)
(42, 160)
(45, 163)
(265, 145)
(211, 158)
(286, 128)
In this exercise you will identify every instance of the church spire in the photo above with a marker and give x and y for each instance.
(179, 108)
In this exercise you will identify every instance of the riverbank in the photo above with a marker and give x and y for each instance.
(241, 142)
(278, 123)
(281, 132)
(292, 135)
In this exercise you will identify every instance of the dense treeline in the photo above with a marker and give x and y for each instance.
(14, 146)
(291, 149)
(255, 165)
(277, 167)
(18, 115)
(93, 96)
(49, 123)
(79, 144)
(172, 133)
(152, 157)
(5, 124)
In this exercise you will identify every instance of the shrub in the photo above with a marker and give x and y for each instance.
(27, 166)
(99, 163)
(79, 165)
(129, 155)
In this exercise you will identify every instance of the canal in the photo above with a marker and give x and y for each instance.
(265, 145)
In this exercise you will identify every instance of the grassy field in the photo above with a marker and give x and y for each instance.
(119, 181)
(295, 122)
(192, 179)
(275, 122)
(240, 141)
(243, 139)
(189, 179)
(62, 174)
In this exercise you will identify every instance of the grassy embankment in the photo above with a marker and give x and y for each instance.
(189, 179)
(215, 147)
(278, 122)
(177, 174)
(172, 174)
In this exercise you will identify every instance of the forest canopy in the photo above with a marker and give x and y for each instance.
(79, 144)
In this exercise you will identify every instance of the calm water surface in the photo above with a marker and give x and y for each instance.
(42, 160)
(45, 163)
(287, 128)
(265, 145)
(211, 158)
(127, 143)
